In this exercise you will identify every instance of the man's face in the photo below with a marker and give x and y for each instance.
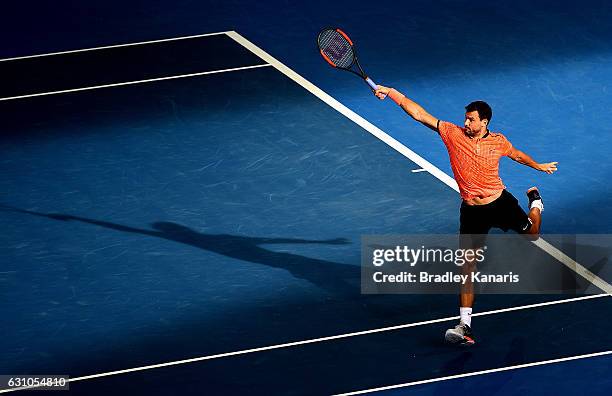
(473, 124)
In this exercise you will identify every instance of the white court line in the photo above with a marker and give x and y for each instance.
(134, 82)
(322, 339)
(419, 170)
(112, 46)
(496, 370)
(414, 157)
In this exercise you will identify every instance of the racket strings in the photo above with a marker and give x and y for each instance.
(336, 48)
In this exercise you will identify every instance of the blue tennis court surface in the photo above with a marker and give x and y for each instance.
(196, 203)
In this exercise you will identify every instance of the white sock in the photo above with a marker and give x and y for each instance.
(537, 204)
(466, 315)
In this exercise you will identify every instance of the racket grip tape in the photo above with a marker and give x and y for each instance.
(371, 83)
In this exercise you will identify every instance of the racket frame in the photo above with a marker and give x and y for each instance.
(355, 60)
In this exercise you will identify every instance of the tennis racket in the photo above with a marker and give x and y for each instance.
(338, 50)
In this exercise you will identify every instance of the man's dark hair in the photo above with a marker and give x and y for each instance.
(483, 109)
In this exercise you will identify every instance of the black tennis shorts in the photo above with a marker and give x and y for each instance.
(505, 213)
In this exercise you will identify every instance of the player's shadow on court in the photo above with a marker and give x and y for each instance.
(333, 277)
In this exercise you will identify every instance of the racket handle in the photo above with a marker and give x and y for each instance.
(371, 83)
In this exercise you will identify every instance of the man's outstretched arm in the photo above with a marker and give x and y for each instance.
(525, 159)
(412, 108)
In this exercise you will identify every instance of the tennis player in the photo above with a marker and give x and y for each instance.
(474, 154)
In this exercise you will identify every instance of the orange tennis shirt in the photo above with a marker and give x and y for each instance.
(475, 162)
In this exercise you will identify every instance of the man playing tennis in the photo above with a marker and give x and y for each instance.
(474, 154)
